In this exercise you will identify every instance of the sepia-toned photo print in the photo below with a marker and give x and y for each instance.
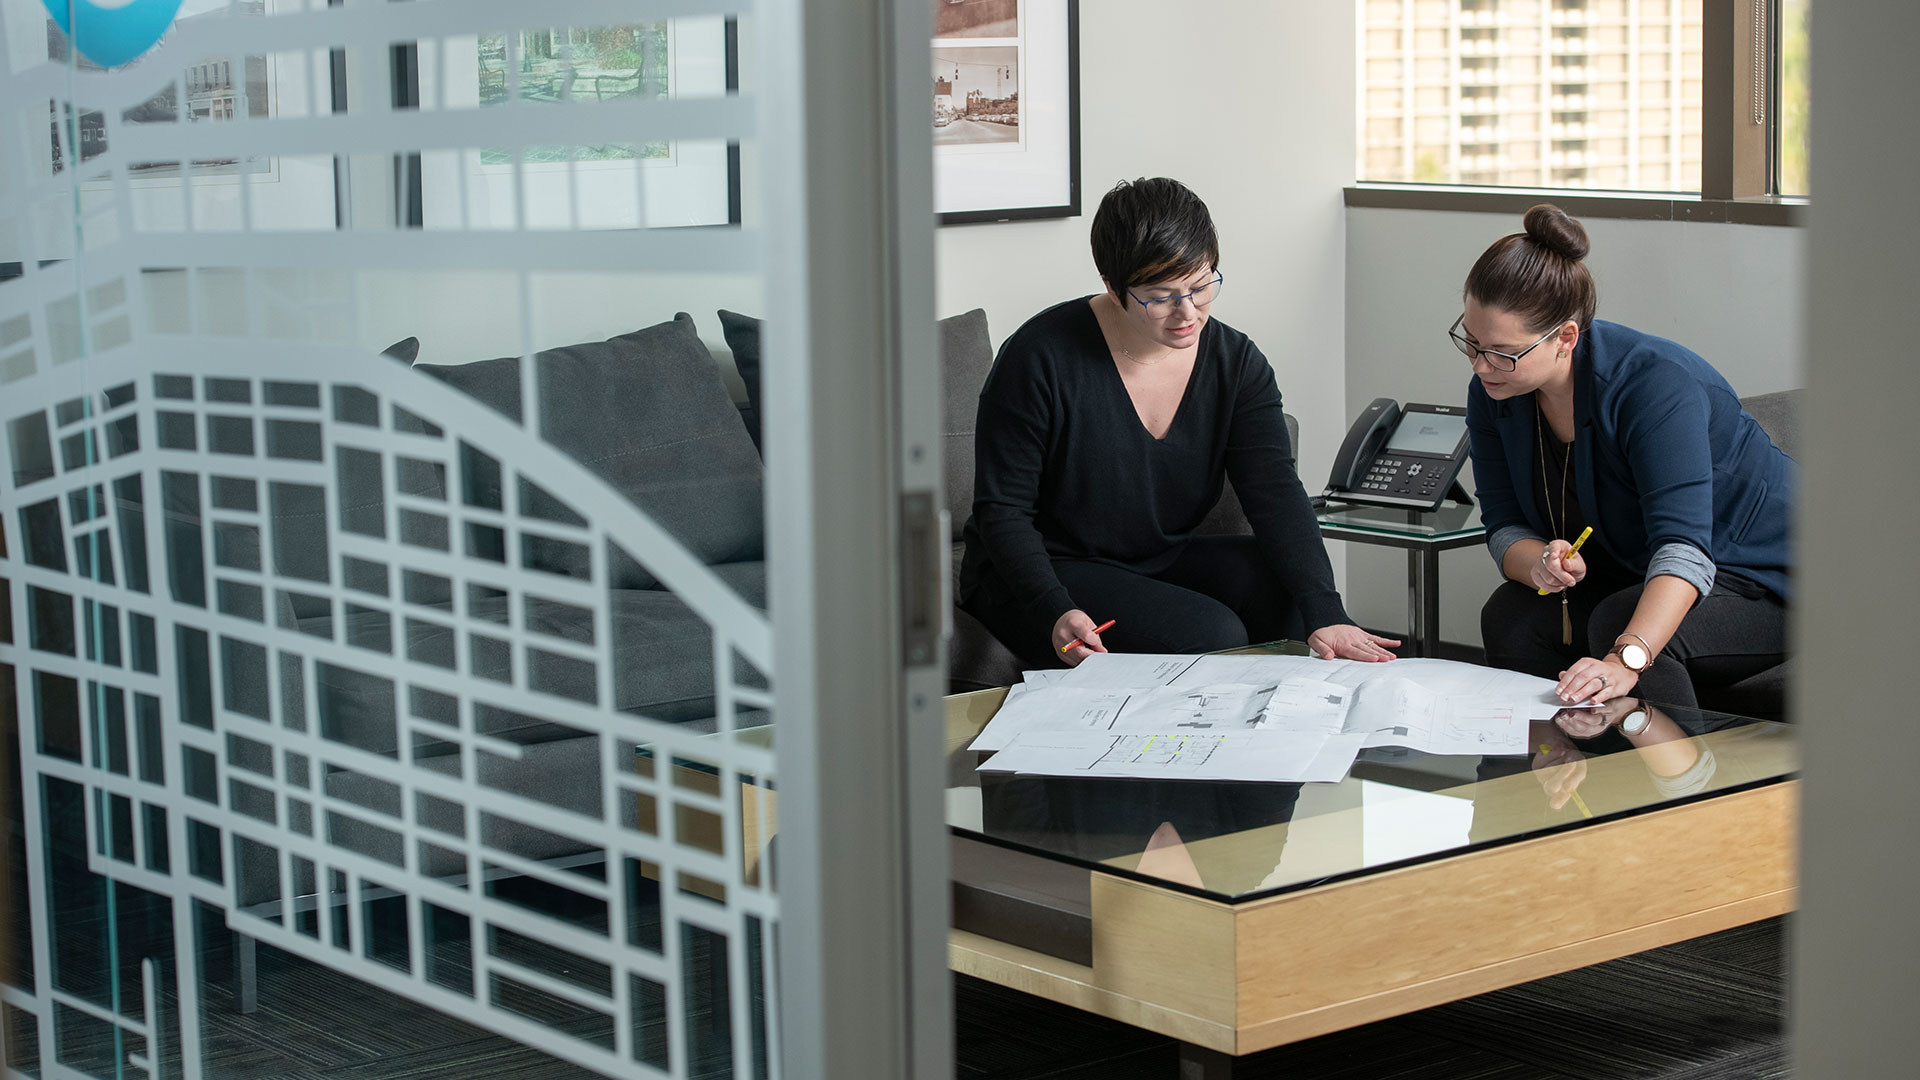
(976, 18)
(976, 96)
(1006, 109)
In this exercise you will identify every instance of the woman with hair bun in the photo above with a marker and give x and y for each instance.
(1578, 422)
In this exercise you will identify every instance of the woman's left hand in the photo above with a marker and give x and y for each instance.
(1595, 680)
(1346, 642)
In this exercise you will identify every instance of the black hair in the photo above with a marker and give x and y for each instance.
(1150, 230)
(1538, 274)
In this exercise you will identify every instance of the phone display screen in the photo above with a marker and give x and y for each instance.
(1427, 433)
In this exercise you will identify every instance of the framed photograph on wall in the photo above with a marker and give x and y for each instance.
(617, 185)
(1006, 110)
(281, 192)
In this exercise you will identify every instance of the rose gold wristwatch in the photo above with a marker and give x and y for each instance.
(1634, 655)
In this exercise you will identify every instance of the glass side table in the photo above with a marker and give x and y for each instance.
(1423, 535)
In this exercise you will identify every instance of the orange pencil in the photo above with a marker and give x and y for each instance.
(1101, 629)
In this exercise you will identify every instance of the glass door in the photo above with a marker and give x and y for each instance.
(435, 636)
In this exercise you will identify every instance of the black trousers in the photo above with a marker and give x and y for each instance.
(1219, 594)
(1729, 635)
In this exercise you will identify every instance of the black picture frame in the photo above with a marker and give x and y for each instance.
(407, 167)
(1070, 208)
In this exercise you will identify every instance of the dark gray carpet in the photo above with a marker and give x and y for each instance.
(1708, 1009)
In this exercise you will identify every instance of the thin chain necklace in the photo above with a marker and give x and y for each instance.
(1128, 353)
(1540, 437)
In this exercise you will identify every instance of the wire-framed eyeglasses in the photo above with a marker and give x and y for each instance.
(1501, 361)
(1160, 307)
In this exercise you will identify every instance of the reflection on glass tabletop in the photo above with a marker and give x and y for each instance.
(1240, 840)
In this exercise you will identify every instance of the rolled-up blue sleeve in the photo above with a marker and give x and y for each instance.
(1684, 561)
(1499, 540)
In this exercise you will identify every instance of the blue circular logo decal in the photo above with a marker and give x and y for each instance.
(112, 36)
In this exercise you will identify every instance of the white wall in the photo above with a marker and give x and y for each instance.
(1251, 105)
(1730, 292)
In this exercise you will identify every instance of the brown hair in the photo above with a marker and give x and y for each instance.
(1538, 274)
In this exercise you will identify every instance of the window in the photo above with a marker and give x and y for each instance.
(1596, 94)
(1792, 103)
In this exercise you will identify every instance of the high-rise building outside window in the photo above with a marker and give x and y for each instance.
(1602, 94)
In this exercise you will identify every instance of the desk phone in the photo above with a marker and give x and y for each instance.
(1402, 456)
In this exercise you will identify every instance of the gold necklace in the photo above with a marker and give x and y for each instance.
(1540, 438)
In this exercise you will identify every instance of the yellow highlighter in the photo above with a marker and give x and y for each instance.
(1572, 551)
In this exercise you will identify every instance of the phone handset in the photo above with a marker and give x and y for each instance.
(1364, 439)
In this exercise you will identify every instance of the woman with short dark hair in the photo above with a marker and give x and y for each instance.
(1578, 422)
(1105, 430)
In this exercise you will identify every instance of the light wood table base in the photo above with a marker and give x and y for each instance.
(1234, 979)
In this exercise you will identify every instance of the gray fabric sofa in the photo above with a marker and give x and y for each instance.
(648, 413)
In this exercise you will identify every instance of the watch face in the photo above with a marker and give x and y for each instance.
(1634, 657)
(1635, 722)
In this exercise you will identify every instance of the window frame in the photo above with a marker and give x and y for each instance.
(1738, 167)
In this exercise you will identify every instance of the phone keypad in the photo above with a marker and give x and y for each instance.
(1402, 477)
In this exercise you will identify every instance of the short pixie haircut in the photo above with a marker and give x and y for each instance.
(1150, 230)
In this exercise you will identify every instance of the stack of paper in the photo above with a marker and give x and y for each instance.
(1253, 717)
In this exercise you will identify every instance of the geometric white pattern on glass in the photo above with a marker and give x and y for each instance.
(304, 650)
(304, 643)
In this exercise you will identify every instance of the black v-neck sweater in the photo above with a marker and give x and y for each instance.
(1063, 467)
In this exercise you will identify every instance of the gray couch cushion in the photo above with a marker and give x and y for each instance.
(668, 674)
(966, 355)
(406, 350)
(1779, 416)
(743, 338)
(976, 660)
(648, 413)
(665, 670)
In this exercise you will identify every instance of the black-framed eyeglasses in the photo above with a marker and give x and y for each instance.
(1161, 307)
(1501, 361)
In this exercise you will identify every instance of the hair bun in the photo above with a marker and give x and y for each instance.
(1551, 228)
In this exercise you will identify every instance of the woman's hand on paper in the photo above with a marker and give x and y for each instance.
(1345, 642)
(1597, 680)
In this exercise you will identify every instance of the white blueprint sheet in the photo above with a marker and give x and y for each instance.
(1217, 708)
(1436, 706)
(1299, 756)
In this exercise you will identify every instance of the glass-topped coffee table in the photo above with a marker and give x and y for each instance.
(1241, 916)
